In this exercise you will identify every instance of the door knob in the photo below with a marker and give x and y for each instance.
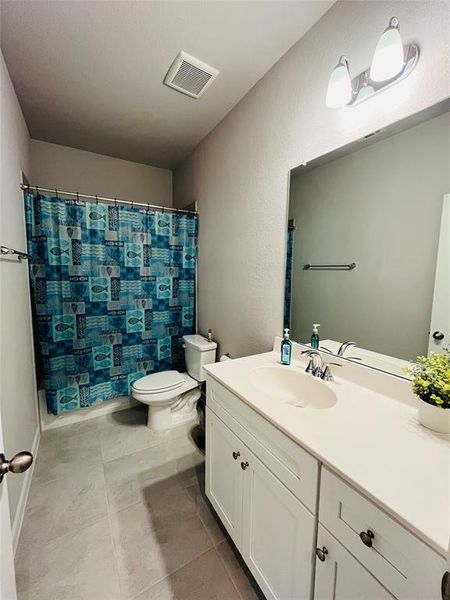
(18, 464)
(367, 537)
(445, 586)
(236, 455)
(321, 553)
(438, 335)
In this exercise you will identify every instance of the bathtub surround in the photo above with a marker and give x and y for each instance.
(65, 168)
(114, 291)
(239, 172)
(18, 399)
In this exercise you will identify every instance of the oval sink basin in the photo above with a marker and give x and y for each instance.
(292, 387)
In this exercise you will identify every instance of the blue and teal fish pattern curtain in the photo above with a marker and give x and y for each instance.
(288, 278)
(113, 290)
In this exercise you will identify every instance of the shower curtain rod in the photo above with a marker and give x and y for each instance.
(38, 189)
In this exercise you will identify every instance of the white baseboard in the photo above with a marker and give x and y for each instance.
(83, 414)
(21, 506)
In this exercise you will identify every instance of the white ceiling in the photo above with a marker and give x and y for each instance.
(89, 74)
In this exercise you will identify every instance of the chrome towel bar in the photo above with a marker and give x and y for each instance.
(17, 253)
(345, 267)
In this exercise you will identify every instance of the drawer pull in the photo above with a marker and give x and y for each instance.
(321, 553)
(244, 465)
(367, 537)
(236, 455)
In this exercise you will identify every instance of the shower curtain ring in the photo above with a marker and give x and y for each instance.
(115, 202)
(56, 193)
(96, 199)
(78, 197)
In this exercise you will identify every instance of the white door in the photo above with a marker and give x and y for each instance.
(278, 535)
(7, 577)
(224, 455)
(440, 315)
(339, 576)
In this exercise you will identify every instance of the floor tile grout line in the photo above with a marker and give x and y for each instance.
(227, 571)
(69, 533)
(113, 543)
(66, 476)
(173, 572)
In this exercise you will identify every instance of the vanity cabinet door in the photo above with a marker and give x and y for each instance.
(224, 454)
(339, 576)
(278, 535)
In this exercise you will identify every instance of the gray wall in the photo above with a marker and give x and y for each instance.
(55, 166)
(18, 400)
(239, 173)
(381, 207)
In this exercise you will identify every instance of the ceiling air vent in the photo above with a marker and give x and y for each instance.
(190, 76)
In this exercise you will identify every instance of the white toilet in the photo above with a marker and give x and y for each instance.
(172, 396)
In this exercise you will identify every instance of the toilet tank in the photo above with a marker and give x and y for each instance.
(198, 352)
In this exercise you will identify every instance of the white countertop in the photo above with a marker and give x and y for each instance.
(371, 440)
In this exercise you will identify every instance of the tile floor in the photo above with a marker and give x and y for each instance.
(117, 512)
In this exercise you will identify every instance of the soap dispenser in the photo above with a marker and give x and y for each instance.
(286, 348)
(315, 336)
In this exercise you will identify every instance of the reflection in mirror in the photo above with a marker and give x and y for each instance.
(368, 251)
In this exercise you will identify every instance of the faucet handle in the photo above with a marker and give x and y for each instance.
(327, 375)
(311, 366)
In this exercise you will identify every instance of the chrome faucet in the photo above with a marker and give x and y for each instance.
(343, 347)
(317, 368)
(315, 364)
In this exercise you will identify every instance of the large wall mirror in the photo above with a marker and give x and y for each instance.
(368, 252)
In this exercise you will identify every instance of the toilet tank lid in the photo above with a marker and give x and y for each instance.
(199, 342)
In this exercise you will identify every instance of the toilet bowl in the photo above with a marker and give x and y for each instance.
(172, 396)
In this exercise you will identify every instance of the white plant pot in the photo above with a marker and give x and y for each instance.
(433, 417)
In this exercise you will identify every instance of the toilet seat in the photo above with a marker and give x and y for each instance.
(159, 383)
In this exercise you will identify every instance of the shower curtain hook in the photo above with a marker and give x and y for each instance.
(96, 200)
(37, 192)
(132, 204)
(115, 202)
(56, 193)
(78, 197)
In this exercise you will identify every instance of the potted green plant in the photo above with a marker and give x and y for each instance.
(431, 382)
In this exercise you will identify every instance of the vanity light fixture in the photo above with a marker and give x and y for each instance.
(391, 63)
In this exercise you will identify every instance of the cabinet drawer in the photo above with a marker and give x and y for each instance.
(296, 468)
(341, 577)
(400, 561)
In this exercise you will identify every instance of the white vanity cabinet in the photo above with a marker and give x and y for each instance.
(407, 567)
(271, 527)
(339, 576)
(265, 489)
(224, 478)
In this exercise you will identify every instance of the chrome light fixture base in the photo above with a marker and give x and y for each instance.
(364, 88)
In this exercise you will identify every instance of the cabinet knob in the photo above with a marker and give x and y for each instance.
(244, 465)
(367, 537)
(321, 553)
(438, 335)
(236, 455)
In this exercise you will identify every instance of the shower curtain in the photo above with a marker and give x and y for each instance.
(114, 292)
